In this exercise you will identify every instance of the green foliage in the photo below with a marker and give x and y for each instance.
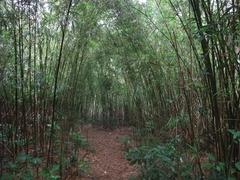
(138, 132)
(156, 162)
(180, 120)
(153, 65)
(27, 174)
(51, 173)
(22, 167)
(235, 134)
(7, 176)
(78, 140)
(56, 128)
(216, 169)
(83, 166)
(237, 166)
(22, 157)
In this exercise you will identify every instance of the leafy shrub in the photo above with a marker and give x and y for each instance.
(22, 167)
(83, 166)
(78, 141)
(51, 173)
(217, 169)
(235, 134)
(156, 162)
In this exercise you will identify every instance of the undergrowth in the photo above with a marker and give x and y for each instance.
(175, 159)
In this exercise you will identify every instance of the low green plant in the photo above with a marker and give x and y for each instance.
(22, 167)
(222, 170)
(161, 161)
(51, 173)
(83, 166)
(156, 162)
(78, 142)
(216, 169)
(235, 134)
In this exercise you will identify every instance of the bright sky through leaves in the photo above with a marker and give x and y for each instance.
(142, 1)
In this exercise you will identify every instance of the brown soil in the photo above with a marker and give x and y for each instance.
(106, 159)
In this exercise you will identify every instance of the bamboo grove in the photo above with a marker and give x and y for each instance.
(170, 64)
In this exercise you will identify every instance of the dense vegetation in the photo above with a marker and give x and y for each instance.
(168, 68)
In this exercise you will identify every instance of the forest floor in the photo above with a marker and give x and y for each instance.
(107, 156)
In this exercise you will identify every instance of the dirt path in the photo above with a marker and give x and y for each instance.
(107, 161)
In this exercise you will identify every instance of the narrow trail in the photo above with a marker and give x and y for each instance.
(107, 159)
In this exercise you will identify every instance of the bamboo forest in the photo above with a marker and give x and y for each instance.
(120, 89)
